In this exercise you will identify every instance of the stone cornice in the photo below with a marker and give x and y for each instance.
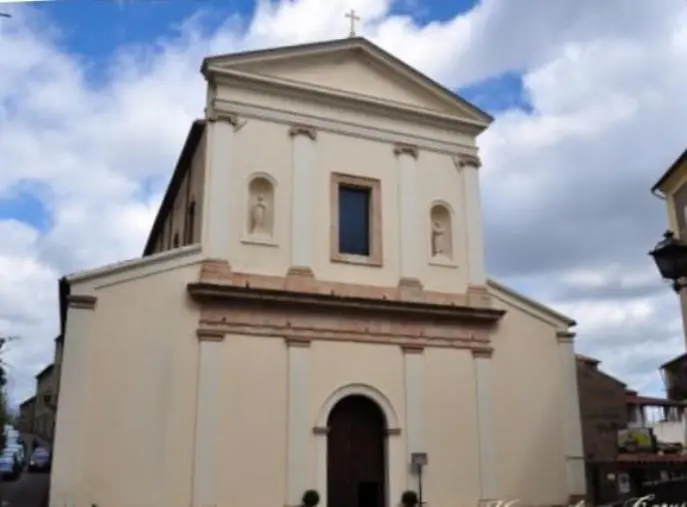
(351, 100)
(303, 309)
(204, 291)
(349, 128)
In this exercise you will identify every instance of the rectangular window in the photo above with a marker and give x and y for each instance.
(356, 220)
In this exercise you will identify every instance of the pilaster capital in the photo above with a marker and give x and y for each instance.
(210, 335)
(303, 130)
(212, 115)
(406, 149)
(412, 348)
(82, 302)
(297, 342)
(565, 337)
(482, 353)
(467, 160)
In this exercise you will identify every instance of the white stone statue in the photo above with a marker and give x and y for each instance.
(438, 240)
(258, 222)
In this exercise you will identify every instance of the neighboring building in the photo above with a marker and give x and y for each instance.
(312, 311)
(633, 444)
(37, 414)
(26, 415)
(672, 187)
(603, 411)
(44, 417)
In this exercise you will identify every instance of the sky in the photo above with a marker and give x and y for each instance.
(96, 97)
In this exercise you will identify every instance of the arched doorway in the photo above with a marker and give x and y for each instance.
(356, 462)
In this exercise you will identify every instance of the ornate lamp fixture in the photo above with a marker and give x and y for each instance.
(670, 256)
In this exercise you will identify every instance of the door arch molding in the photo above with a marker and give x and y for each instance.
(394, 445)
(391, 419)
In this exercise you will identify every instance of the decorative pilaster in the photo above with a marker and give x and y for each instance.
(297, 465)
(409, 214)
(69, 483)
(218, 177)
(303, 188)
(572, 426)
(469, 166)
(485, 419)
(414, 379)
(321, 433)
(206, 472)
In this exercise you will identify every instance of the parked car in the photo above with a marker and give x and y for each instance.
(40, 461)
(16, 450)
(10, 469)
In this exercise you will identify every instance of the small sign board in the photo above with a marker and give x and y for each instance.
(418, 459)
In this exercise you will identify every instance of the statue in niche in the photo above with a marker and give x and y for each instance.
(259, 212)
(438, 239)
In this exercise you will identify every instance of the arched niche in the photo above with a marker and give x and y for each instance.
(260, 213)
(441, 231)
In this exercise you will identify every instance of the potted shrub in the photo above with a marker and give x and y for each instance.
(409, 499)
(310, 498)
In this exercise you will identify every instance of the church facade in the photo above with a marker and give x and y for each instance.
(312, 312)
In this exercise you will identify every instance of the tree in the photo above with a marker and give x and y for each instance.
(4, 412)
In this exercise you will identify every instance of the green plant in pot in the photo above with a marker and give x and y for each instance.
(409, 499)
(310, 498)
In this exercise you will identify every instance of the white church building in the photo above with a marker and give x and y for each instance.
(312, 312)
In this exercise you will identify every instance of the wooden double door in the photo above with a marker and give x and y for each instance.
(356, 457)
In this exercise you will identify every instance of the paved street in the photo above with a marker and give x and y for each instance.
(30, 490)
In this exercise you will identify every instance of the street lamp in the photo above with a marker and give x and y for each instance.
(670, 256)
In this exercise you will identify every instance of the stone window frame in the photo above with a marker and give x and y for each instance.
(375, 187)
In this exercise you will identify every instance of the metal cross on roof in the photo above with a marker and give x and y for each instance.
(351, 15)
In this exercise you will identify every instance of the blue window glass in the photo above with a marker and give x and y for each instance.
(354, 220)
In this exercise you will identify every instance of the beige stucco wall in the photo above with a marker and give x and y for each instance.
(528, 402)
(137, 419)
(141, 408)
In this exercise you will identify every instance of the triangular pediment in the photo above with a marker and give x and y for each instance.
(354, 66)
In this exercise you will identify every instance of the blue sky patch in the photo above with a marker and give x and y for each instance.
(498, 94)
(26, 204)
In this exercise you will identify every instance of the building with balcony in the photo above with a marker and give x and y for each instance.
(633, 445)
(666, 418)
(672, 188)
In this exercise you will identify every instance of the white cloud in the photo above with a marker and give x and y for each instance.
(606, 82)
